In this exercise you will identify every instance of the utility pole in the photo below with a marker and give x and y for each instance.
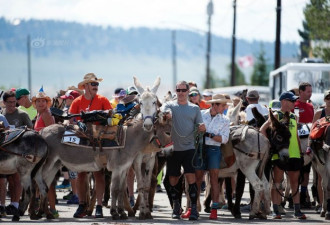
(208, 50)
(29, 63)
(278, 36)
(233, 49)
(174, 57)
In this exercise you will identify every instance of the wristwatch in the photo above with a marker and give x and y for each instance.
(212, 135)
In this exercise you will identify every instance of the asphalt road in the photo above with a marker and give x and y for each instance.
(162, 215)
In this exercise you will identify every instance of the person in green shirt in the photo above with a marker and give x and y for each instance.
(25, 104)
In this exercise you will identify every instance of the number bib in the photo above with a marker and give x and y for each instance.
(69, 137)
(303, 131)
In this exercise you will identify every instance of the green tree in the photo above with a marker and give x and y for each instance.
(317, 14)
(215, 81)
(260, 72)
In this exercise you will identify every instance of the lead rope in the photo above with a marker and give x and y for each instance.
(199, 146)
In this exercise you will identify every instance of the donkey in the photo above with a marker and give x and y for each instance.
(144, 160)
(26, 156)
(321, 160)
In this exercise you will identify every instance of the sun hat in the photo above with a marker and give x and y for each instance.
(326, 93)
(70, 94)
(218, 98)
(252, 94)
(89, 78)
(42, 95)
(288, 95)
(20, 92)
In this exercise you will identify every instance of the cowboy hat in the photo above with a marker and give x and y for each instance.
(218, 98)
(42, 95)
(88, 78)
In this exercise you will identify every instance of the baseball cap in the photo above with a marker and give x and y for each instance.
(117, 91)
(20, 92)
(207, 93)
(252, 93)
(288, 95)
(70, 94)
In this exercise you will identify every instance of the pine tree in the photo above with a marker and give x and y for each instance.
(260, 72)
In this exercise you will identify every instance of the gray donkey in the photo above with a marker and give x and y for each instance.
(25, 155)
(119, 160)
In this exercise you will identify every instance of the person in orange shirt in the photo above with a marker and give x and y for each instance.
(195, 97)
(90, 101)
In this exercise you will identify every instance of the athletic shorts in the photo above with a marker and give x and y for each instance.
(178, 159)
(211, 160)
(294, 164)
(307, 168)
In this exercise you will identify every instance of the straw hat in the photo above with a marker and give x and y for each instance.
(42, 95)
(89, 78)
(218, 98)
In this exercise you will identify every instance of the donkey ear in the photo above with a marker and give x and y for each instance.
(156, 85)
(138, 85)
(286, 118)
(275, 122)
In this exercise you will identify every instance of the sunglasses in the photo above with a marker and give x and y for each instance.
(94, 84)
(181, 90)
(193, 95)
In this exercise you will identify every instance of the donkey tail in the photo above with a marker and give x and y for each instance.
(262, 164)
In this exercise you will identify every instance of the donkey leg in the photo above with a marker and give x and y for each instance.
(258, 188)
(114, 195)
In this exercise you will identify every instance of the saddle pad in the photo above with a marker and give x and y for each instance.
(104, 132)
(9, 136)
(120, 140)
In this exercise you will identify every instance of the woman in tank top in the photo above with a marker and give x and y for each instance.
(42, 103)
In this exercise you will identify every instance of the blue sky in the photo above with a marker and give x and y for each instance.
(255, 18)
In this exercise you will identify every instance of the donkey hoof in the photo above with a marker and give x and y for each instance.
(207, 210)
(50, 216)
(142, 216)
(15, 218)
(327, 216)
(89, 213)
(115, 217)
(149, 216)
(123, 216)
(251, 217)
(322, 214)
(131, 214)
(35, 217)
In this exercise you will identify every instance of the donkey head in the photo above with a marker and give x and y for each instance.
(148, 103)
(280, 135)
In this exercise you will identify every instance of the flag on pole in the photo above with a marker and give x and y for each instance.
(245, 61)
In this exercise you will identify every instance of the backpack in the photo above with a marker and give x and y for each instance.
(319, 127)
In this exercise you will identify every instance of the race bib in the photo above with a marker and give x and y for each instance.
(303, 131)
(70, 137)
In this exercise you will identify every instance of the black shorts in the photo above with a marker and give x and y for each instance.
(178, 159)
(307, 168)
(294, 164)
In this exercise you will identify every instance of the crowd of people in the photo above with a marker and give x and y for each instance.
(191, 111)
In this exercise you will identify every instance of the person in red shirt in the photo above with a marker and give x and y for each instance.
(90, 101)
(306, 114)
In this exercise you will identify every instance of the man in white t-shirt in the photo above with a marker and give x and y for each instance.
(253, 99)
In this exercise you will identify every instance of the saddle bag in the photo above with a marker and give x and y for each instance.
(319, 127)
